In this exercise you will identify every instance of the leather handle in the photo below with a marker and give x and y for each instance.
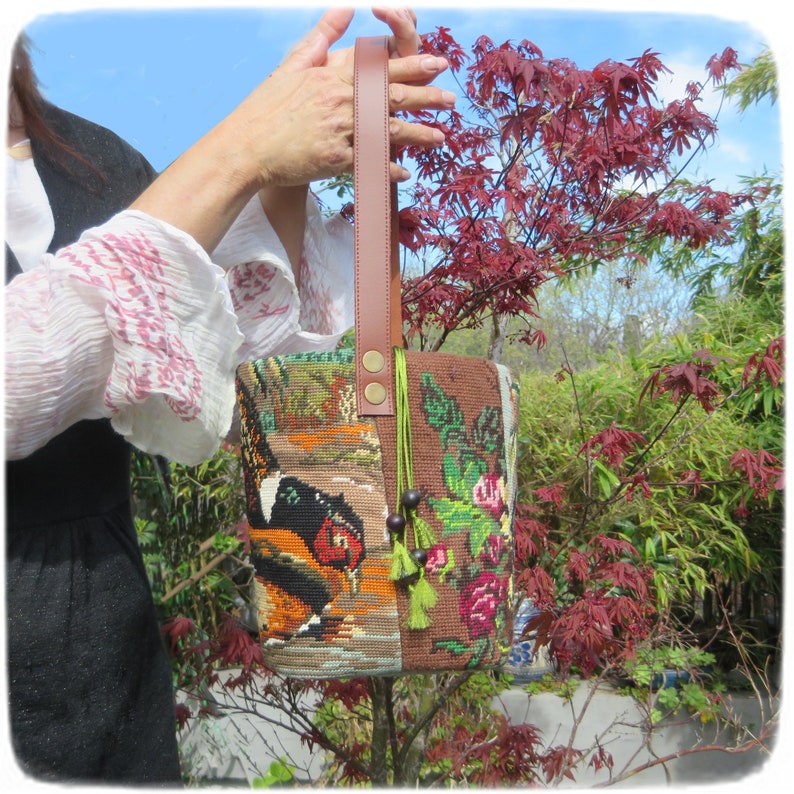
(377, 271)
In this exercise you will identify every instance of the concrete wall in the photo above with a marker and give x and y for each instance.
(236, 748)
(618, 723)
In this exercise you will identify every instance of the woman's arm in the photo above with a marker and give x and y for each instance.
(285, 208)
(294, 128)
(134, 322)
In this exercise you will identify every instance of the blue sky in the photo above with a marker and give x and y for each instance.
(162, 76)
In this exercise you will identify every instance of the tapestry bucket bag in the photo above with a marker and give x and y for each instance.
(380, 482)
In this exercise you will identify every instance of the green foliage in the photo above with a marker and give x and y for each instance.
(755, 82)
(669, 678)
(549, 683)
(187, 519)
(651, 662)
(692, 696)
(750, 264)
(280, 773)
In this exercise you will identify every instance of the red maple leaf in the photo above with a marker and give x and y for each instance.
(178, 629)
(718, 65)
(612, 445)
(762, 470)
(235, 647)
(768, 364)
(687, 380)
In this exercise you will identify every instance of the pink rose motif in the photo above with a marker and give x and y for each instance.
(480, 601)
(491, 553)
(437, 559)
(489, 494)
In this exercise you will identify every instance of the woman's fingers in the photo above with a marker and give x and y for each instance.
(416, 69)
(312, 49)
(402, 21)
(411, 97)
(334, 23)
(405, 133)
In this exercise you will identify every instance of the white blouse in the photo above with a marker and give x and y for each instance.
(29, 223)
(136, 323)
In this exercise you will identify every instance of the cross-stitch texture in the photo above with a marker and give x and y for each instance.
(320, 483)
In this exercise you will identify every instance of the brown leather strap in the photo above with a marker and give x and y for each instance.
(377, 271)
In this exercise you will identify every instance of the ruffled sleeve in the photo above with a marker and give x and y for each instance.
(134, 322)
(272, 315)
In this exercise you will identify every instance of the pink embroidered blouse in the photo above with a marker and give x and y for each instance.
(136, 323)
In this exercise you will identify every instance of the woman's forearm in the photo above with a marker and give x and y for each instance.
(294, 128)
(285, 208)
(203, 191)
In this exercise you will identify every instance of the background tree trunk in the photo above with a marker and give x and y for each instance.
(498, 334)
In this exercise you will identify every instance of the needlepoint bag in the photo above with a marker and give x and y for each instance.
(380, 482)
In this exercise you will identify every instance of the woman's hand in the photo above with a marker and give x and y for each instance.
(286, 206)
(294, 128)
(300, 123)
(313, 94)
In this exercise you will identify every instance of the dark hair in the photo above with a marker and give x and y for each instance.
(25, 84)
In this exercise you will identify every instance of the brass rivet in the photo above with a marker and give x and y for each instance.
(375, 393)
(373, 361)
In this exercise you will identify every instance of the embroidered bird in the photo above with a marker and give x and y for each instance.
(308, 552)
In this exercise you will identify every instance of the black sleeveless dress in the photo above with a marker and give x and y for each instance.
(89, 681)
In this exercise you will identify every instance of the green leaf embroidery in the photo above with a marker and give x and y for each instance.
(442, 411)
(456, 517)
(487, 429)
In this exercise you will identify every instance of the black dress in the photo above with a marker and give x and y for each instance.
(89, 681)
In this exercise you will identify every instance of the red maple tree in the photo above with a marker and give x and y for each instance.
(547, 168)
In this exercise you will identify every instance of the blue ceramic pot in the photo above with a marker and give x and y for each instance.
(526, 663)
(669, 678)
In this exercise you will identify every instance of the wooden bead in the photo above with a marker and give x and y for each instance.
(395, 522)
(420, 556)
(411, 498)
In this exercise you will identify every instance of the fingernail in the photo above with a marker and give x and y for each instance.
(433, 64)
(438, 137)
(448, 97)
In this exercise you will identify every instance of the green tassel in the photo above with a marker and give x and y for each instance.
(424, 537)
(423, 599)
(402, 563)
(404, 441)
(422, 596)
